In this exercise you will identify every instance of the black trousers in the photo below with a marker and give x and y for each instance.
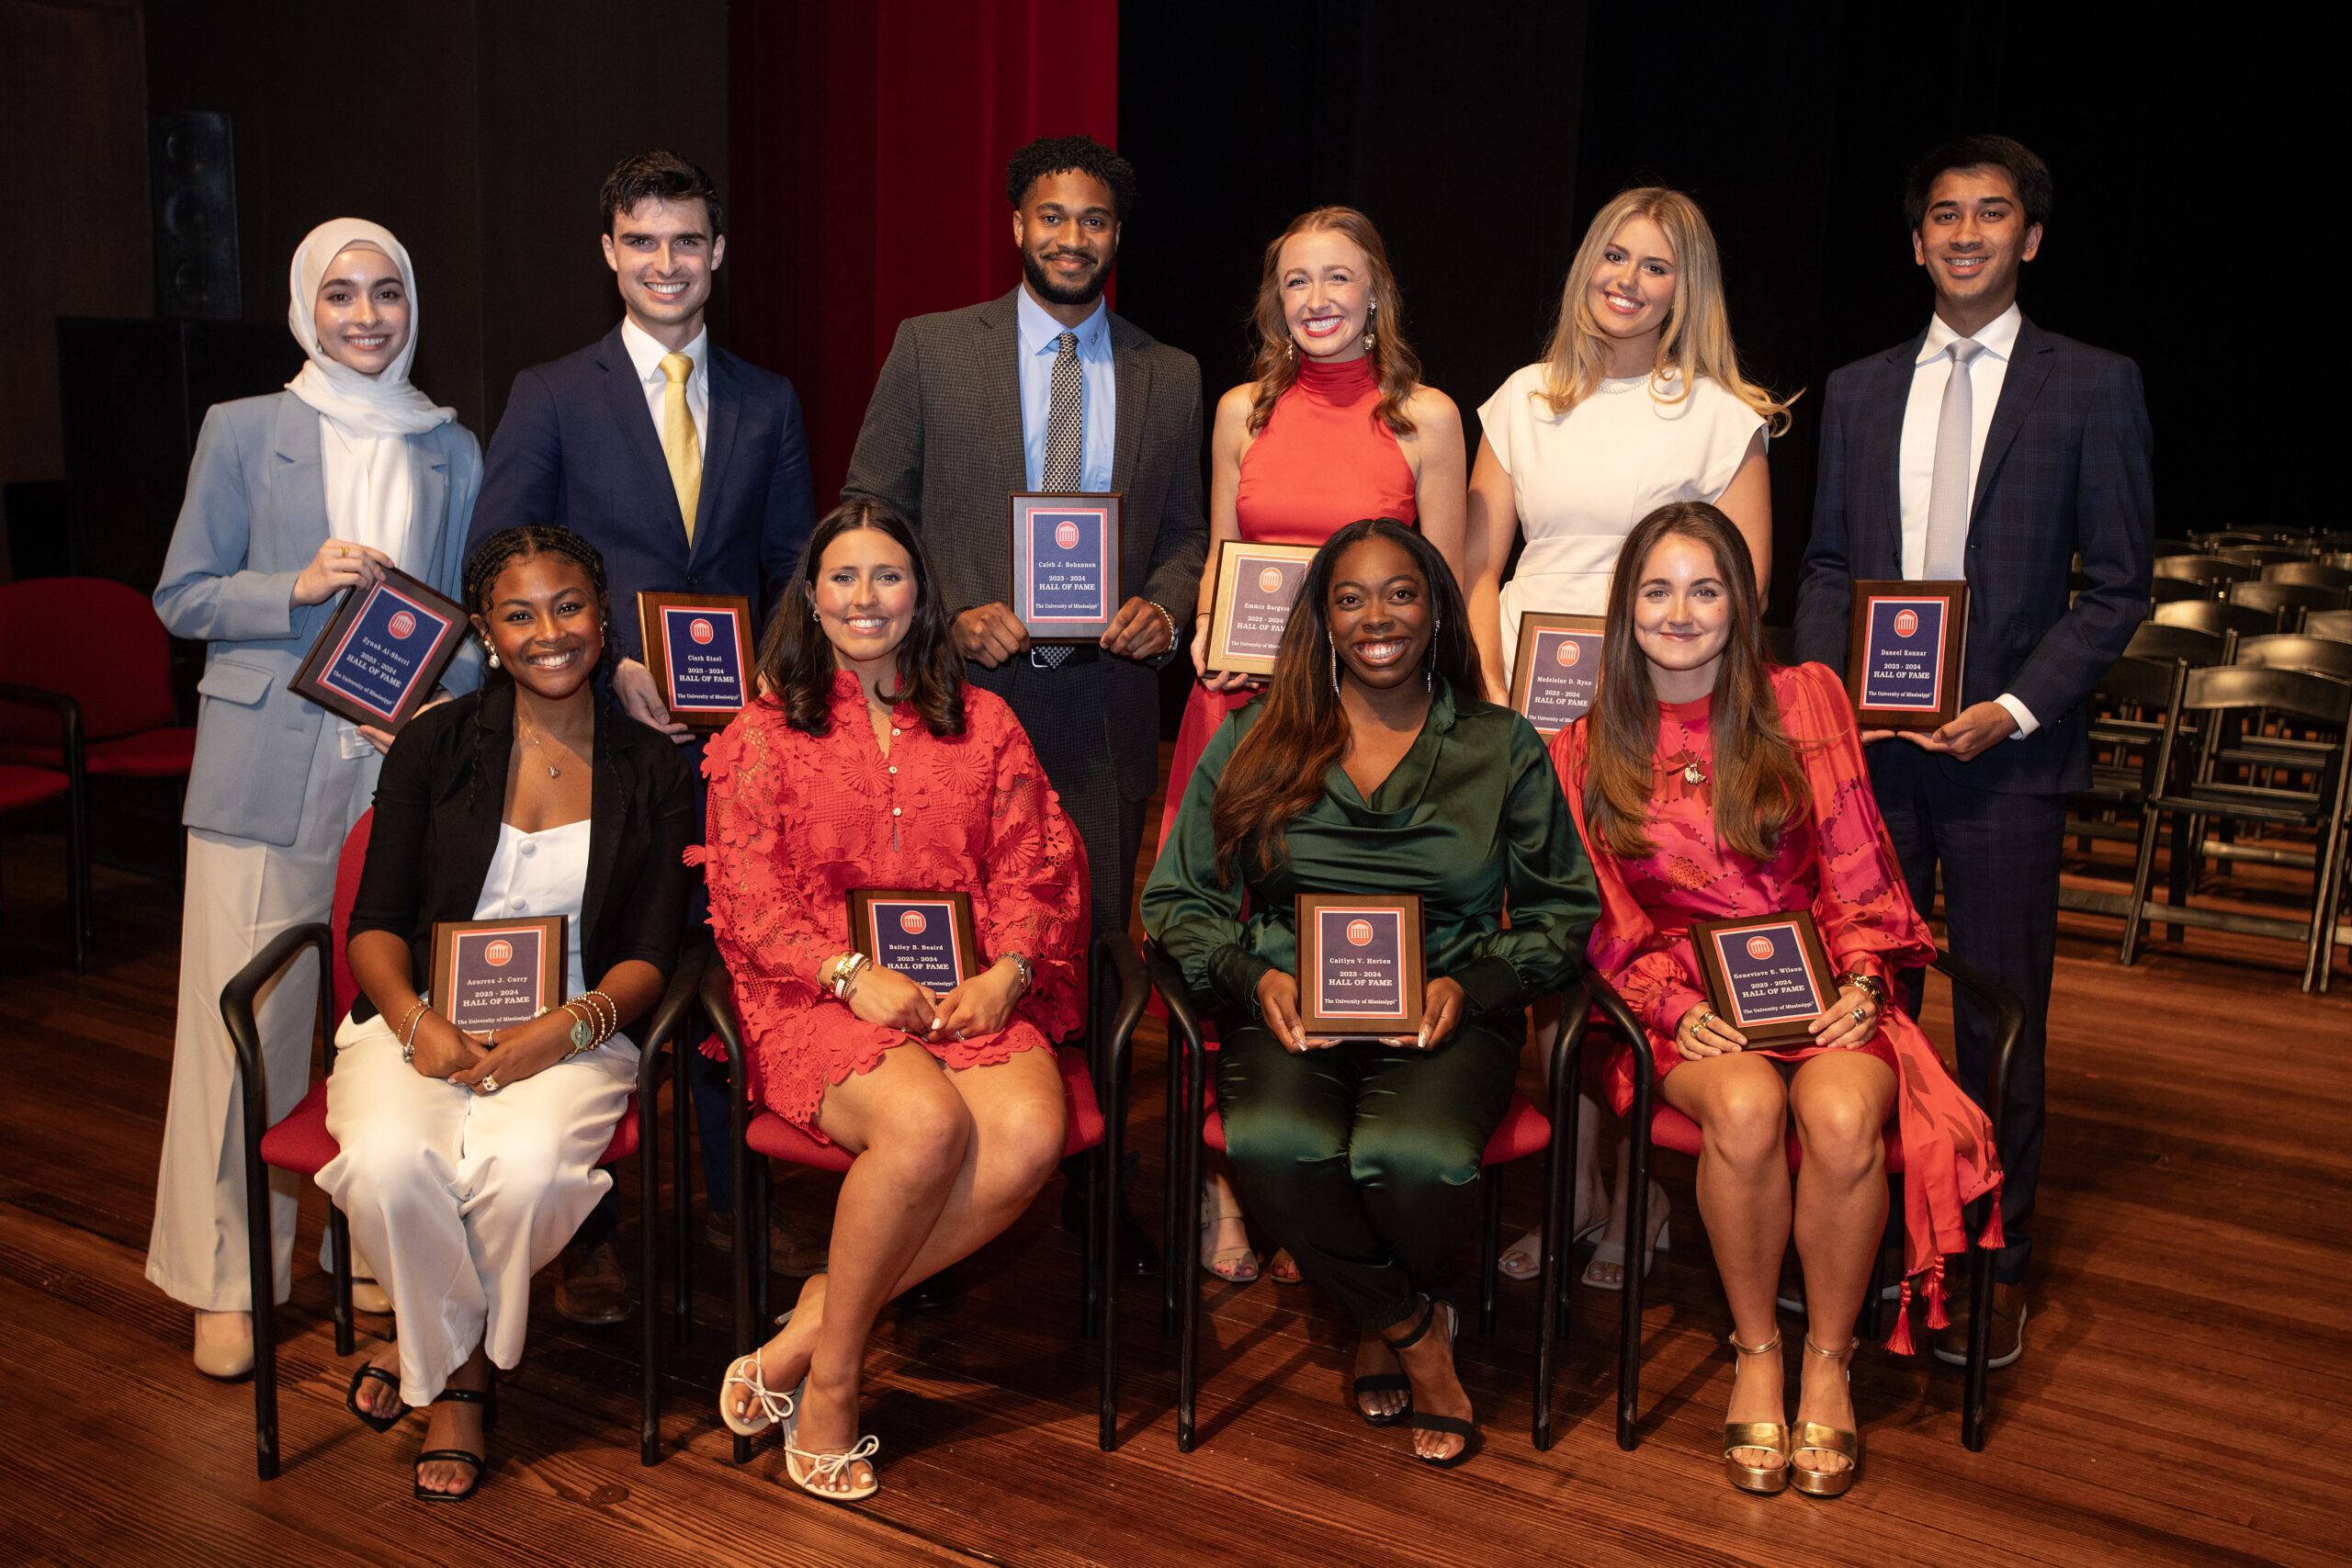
(1363, 1159)
(1999, 855)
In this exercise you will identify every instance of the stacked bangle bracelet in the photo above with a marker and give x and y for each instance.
(593, 1027)
(840, 973)
(408, 1031)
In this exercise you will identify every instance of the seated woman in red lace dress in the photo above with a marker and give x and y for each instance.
(872, 765)
(1709, 786)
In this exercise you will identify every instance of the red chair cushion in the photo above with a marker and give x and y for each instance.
(301, 1143)
(122, 680)
(772, 1135)
(149, 754)
(1523, 1130)
(1669, 1129)
(24, 787)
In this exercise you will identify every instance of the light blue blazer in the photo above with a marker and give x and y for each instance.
(255, 514)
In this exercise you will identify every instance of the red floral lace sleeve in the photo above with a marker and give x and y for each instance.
(1652, 971)
(1033, 898)
(1862, 908)
(760, 912)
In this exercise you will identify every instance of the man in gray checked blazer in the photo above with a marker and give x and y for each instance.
(960, 420)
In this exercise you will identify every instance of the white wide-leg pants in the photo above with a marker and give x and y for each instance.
(459, 1198)
(241, 894)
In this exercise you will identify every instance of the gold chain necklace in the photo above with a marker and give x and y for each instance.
(532, 740)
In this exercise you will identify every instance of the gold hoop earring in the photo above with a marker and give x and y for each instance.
(1334, 646)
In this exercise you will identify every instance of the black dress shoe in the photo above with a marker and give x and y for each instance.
(935, 1295)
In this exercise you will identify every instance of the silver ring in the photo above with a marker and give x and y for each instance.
(490, 1083)
(1857, 1013)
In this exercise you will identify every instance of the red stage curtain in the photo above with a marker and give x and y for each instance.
(868, 144)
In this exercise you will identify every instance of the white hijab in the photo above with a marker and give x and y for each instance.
(366, 462)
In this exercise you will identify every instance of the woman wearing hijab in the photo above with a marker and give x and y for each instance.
(293, 499)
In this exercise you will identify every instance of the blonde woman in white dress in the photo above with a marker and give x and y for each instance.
(1638, 402)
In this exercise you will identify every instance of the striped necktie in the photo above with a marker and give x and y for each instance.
(1065, 442)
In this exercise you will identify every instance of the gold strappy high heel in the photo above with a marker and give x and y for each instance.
(1773, 1435)
(1827, 1439)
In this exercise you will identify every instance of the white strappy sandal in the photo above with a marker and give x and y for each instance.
(825, 1469)
(768, 1408)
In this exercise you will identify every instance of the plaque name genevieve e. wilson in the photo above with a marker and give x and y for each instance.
(1767, 974)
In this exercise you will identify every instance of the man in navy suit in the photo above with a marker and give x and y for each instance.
(1988, 449)
(687, 468)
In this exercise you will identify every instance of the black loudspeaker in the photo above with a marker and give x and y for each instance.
(192, 185)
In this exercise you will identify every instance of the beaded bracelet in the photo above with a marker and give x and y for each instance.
(408, 1043)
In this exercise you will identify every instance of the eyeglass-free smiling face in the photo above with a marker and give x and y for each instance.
(1682, 617)
(864, 598)
(664, 255)
(1377, 608)
(1326, 282)
(545, 625)
(1633, 289)
(1973, 242)
(361, 312)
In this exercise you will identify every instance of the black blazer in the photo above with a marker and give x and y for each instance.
(438, 803)
(2065, 476)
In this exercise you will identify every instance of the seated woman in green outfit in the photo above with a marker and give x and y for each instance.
(1371, 768)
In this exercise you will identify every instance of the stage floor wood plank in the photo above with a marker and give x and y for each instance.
(2184, 1396)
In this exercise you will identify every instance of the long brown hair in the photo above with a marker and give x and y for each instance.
(1759, 787)
(1394, 366)
(796, 657)
(1276, 772)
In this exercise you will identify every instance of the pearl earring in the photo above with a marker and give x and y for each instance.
(492, 651)
(1369, 337)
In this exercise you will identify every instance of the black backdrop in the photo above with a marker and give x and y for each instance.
(1481, 138)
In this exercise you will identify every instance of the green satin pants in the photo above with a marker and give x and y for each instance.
(1363, 1159)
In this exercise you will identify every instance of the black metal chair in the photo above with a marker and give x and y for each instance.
(2336, 625)
(2008, 1016)
(2214, 572)
(2310, 573)
(2262, 556)
(2212, 616)
(2291, 650)
(2226, 770)
(2163, 643)
(34, 786)
(2126, 713)
(2175, 590)
(1116, 996)
(1187, 1096)
(2286, 601)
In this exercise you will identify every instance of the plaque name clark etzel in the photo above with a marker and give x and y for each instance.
(382, 655)
(1556, 671)
(927, 936)
(698, 649)
(1904, 650)
(1256, 585)
(495, 973)
(1064, 554)
(1360, 968)
(1768, 976)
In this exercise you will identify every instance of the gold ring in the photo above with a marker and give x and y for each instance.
(343, 549)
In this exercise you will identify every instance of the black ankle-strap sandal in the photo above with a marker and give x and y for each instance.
(1382, 1383)
(472, 1461)
(1452, 1426)
(351, 1399)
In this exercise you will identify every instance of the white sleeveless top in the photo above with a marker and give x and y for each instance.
(543, 872)
(1580, 480)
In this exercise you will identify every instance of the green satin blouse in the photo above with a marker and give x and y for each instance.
(1472, 820)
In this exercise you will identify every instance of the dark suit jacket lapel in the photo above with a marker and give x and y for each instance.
(726, 407)
(299, 484)
(608, 813)
(2030, 363)
(1135, 401)
(626, 397)
(996, 363)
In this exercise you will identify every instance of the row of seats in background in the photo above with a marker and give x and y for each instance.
(2220, 738)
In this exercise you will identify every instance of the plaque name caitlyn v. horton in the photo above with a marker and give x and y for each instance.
(1904, 653)
(1358, 968)
(495, 973)
(1256, 585)
(1065, 565)
(383, 653)
(698, 649)
(1556, 671)
(1767, 974)
(926, 936)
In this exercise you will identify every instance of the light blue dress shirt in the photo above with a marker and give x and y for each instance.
(1040, 341)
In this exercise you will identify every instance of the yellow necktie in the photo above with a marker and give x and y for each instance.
(679, 448)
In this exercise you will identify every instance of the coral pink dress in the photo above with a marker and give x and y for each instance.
(1324, 460)
(797, 820)
(1836, 861)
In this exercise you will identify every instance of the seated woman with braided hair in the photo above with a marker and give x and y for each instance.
(1710, 785)
(468, 1161)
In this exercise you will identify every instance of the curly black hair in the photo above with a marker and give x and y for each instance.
(657, 176)
(2028, 176)
(1052, 155)
(504, 548)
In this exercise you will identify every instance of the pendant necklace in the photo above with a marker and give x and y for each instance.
(553, 772)
(1692, 773)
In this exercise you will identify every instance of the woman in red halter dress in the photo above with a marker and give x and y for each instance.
(1335, 426)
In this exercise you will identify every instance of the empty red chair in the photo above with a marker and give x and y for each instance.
(98, 642)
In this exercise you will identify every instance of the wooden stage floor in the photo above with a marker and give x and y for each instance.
(2185, 1395)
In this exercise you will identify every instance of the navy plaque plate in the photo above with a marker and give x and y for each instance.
(1767, 974)
(1556, 671)
(698, 647)
(1358, 968)
(1904, 653)
(383, 652)
(495, 973)
(1256, 585)
(926, 936)
(1065, 565)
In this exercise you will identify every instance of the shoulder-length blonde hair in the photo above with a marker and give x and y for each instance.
(1696, 339)
(1393, 364)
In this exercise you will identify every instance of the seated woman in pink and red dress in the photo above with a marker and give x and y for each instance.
(872, 765)
(1708, 785)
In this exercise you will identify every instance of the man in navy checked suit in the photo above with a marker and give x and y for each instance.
(687, 469)
(2041, 459)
